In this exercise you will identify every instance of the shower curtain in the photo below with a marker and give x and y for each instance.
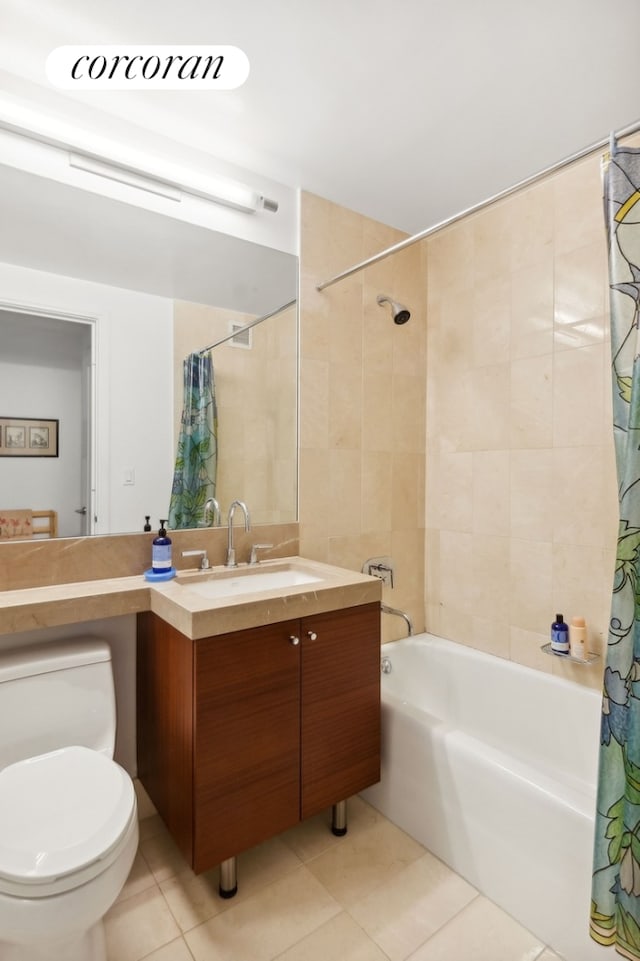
(194, 479)
(615, 906)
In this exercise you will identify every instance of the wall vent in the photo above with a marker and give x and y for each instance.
(241, 336)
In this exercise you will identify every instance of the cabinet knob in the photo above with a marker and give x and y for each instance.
(312, 635)
(294, 640)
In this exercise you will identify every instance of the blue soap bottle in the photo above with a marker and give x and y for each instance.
(161, 551)
(559, 636)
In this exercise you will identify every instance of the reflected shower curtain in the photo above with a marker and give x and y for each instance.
(615, 907)
(194, 479)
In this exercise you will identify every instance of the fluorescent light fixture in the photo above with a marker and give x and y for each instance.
(105, 158)
(123, 176)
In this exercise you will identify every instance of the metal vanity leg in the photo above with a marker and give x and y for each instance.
(339, 819)
(228, 878)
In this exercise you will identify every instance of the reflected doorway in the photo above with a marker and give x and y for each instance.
(47, 371)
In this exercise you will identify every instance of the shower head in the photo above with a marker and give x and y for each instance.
(399, 313)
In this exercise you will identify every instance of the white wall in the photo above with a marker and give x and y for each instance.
(43, 483)
(133, 384)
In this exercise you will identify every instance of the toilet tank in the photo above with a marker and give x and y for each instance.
(56, 695)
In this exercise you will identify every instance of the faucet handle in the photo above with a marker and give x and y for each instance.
(204, 563)
(253, 558)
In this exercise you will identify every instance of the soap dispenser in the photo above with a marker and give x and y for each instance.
(161, 551)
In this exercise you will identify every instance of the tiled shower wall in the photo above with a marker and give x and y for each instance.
(363, 379)
(521, 490)
(256, 402)
(521, 508)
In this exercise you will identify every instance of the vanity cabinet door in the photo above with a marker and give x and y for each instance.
(247, 740)
(340, 702)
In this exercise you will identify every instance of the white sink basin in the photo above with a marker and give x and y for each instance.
(249, 582)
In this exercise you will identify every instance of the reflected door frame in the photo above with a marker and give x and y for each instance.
(88, 440)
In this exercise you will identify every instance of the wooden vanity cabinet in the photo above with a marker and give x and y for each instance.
(242, 735)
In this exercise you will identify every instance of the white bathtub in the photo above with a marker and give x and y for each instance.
(493, 767)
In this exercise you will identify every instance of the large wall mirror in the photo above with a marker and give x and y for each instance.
(100, 301)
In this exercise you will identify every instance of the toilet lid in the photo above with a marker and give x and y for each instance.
(59, 812)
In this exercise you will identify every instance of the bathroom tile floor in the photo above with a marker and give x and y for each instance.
(374, 895)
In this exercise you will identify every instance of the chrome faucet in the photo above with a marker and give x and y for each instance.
(213, 506)
(231, 551)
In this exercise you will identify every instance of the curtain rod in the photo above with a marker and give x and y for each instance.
(423, 234)
(252, 323)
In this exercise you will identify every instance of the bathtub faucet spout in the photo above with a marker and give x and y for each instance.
(394, 610)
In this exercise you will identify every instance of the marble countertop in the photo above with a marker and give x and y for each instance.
(187, 611)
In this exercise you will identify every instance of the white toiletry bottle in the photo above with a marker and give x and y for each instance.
(578, 638)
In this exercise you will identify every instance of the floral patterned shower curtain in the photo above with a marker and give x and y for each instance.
(615, 907)
(194, 479)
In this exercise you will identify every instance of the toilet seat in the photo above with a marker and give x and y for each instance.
(64, 817)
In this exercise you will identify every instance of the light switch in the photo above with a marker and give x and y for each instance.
(129, 477)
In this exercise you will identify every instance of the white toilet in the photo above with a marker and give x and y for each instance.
(68, 814)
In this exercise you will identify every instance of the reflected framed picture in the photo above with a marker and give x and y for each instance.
(28, 437)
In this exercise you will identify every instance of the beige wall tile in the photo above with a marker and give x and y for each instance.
(314, 403)
(345, 489)
(407, 492)
(531, 402)
(532, 309)
(578, 397)
(408, 413)
(534, 493)
(450, 256)
(580, 297)
(490, 318)
(490, 390)
(492, 241)
(583, 508)
(363, 386)
(525, 648)
(377, 491)
(450, 491)
(489, 580)
(377, 413)
(532, 214)
(491, 492)
(345, 405)
(456, 570)
(490, 635)
(577, 199)
(531, 585)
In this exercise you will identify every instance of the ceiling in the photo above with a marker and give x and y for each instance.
(408, 112)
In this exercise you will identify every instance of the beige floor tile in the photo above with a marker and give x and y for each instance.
(162, 855)
(549, 955)
(195, 898)
(339, 939)
(352, 870)
(266, 924)
(174, 951)
(140, 878)
(313, 836)
(403, 912)
(139, 925)
(483, 932)
(146, 807)
(150, 826)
